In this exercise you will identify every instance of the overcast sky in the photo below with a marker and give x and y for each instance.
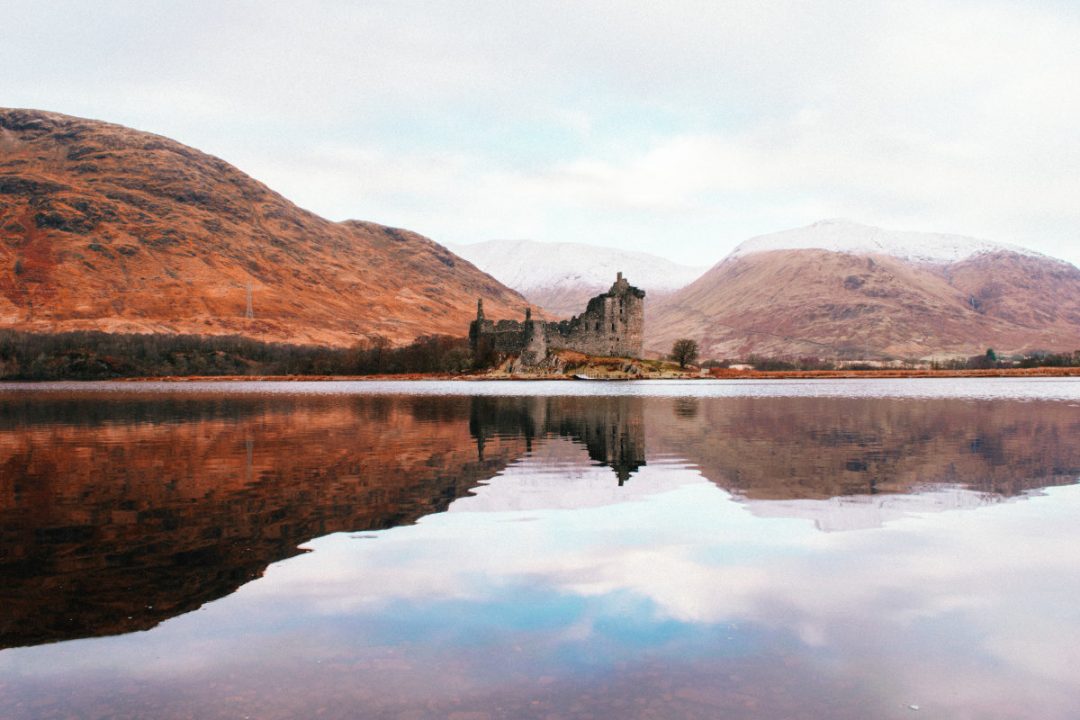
(680, 128)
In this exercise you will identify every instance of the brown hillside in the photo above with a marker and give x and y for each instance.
(779, 449)
(107, 228)
(832, 304)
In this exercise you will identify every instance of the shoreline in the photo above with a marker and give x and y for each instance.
(721, 374)
(716, 374)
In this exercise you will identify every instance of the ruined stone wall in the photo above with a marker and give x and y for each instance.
(506, 337)
(612, 325)
(509, 337)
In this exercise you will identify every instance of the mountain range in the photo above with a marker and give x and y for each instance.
(832, 289)
(107, 228)
(840, 289)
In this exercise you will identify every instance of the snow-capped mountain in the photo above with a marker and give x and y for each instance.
(561, 277)
(859, 512)
(840, 289)
(854, 238)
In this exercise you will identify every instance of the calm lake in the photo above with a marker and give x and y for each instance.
(465, 550)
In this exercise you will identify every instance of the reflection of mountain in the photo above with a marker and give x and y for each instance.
(784, 449)
(117, 512)
(812, 447)
(859, 512)
(612, 428)
(116, 515)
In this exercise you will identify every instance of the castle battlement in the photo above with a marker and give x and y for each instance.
(611, 325)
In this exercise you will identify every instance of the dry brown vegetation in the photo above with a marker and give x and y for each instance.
(728, 373)
(814, 302)
(111, 229)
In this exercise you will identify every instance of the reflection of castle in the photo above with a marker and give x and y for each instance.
(611, 428)
(611, 325)
(126, 512)
(117, 513)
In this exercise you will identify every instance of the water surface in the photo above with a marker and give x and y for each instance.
(841, 549)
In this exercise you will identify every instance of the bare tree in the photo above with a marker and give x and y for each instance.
(684, 351)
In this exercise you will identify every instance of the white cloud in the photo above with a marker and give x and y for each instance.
(681, 127)
(1000, 578)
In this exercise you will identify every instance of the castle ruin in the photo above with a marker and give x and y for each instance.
(611, 326)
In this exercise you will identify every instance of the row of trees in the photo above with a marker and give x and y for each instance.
(91, 355)
(990, 359)
(1048, 359)
(685, 352)
(96, 355)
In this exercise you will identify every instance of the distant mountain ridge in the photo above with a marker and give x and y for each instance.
(850, 237)
(840, 289)
(107, 228)
(561, 277)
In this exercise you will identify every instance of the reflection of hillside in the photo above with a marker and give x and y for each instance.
(110, 526)
(117, 513)
(791, 448)
(611, 428)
